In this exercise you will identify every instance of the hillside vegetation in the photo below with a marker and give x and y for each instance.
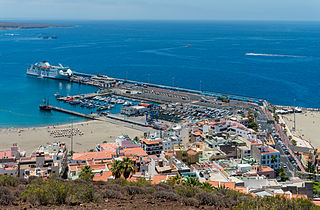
(120, 193)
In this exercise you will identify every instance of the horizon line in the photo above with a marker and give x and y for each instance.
(159, 20)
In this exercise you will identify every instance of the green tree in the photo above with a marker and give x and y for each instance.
(86, 174)
(294, 142)
(283, 174)
(127, 167)
(273, 159)
(253, 125)
(124, 167)
(276, 117)
(116, 169)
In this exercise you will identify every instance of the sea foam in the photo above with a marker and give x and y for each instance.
(274, 55)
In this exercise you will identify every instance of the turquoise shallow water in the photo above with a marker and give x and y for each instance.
(278, 61)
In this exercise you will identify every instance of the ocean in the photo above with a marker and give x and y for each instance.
(277, 61)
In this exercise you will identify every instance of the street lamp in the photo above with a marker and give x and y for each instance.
(71, 135)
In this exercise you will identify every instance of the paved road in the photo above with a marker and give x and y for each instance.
(291, 170)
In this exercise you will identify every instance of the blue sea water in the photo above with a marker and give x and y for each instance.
(277, 61)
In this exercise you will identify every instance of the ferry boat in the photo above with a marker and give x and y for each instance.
(45, 70)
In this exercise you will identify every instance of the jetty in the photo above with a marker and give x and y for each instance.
(49, 108)
(128, 120)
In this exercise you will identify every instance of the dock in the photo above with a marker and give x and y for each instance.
(49, 108)
(92, 117)
(128, 120)
(89, 95)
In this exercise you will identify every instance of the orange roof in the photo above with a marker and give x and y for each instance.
(102, 177)
(290, 196)
(10, 168)
(109, 147)
(170, 154)
(191, 152)
(228, 185)
(316, 203)
(158, 178)
(242, 189)
(198, 133)
(146, 141)
(91, 155)
(299, 196)
(266, 169)
(138, 151)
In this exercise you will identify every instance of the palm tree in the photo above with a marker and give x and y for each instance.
(127, 167)
(177, 179)
(273, 159)
(116, 169)
(192, 182)
(86, 173)
(206, 186)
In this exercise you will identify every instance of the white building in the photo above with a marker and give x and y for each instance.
(171, 141)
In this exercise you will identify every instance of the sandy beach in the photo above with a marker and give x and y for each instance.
(87, 135)
(307, 126)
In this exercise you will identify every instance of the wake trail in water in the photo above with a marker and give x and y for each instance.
(275, 55)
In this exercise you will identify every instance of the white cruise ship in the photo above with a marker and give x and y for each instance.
(45, 70)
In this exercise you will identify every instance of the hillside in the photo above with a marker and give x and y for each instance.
(55, 193)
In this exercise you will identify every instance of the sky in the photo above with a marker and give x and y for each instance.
(283, 10)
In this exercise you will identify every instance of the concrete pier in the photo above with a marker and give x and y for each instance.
(48, 108)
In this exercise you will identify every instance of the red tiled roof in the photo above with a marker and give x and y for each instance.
(191, 152)
(158, 178)
(109, 147)
(198, 133)
(242, 189)
(92, 155)
(134, 151)
(6, 154)
(102, 177)
(228, 185)
(146, 141)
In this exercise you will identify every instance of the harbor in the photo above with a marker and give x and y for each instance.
(152, 105)
(121, 99)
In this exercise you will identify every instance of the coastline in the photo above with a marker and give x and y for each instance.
(21, 26)
(88, 134)
(307, 126)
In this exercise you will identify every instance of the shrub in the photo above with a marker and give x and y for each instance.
(120, 181)
(209, 199)
(56, 192)
(133, 190)
(114, 187)
(108, 193)
(6, 196)
(7, 180)
(81, 193)
(186, 190)
(166, 195)
(163, 186)
(190, 202)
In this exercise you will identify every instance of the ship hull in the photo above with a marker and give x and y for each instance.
(45, 70)
(49, 77)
